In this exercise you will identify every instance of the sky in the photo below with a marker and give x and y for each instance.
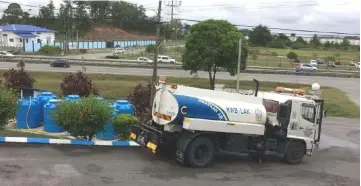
(319, 15)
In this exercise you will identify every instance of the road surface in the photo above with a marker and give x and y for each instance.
(336, 162)
(351, 86)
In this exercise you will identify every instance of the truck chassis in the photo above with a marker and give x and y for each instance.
(197, 148)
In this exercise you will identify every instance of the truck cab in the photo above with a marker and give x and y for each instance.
(196, 124)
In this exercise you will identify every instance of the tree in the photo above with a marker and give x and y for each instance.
(345, 44)
(213, 44)
(315, 42)
(292, 55)
(260, 36)
(18, 78)
(13, 14)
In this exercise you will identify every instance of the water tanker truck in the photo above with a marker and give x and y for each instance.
(196, 124)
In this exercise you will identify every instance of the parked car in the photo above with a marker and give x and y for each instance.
(145, 60)
(331, 64)
(166, 59)
(313, 63)
(118, 50)
(308, 67)
(60, 63)
(319, 61)
(6, 55)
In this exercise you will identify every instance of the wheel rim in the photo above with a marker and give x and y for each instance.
(201, 153)
(296, 153)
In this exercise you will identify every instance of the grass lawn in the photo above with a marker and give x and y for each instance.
(118, 87)
(273, 61)
(10, 133)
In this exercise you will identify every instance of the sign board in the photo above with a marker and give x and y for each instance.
(298, 72)
(298, 66)
(298, 69)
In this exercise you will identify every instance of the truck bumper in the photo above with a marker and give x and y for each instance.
(146, 136)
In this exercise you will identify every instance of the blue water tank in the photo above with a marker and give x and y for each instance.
(72, 98)
(28, 113)
(120, 107)
(49, 123)
(43, 98)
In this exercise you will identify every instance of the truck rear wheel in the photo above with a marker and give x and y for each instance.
(200, 152)
(294, 153)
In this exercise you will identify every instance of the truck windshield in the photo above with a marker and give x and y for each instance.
(271, 105)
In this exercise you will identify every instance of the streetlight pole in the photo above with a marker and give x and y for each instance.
(239, 62)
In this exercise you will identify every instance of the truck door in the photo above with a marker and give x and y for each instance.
(294, 123)
(319, 117)
(308, 128)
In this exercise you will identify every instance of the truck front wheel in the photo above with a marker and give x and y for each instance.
(200, 152)
(295, 152)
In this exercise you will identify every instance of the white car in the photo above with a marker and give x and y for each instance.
(357, 64)
(166, 59)
(308, 67)
(144, 59)
(314, 63)
(118, 50)
(5, 54)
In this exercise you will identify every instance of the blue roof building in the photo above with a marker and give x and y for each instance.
(16, 35)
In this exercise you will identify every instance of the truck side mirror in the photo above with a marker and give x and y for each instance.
(324, 113)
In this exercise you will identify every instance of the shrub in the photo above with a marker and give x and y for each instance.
(83, 118)
(150, 48)
(7, 106)
(140, 98)
(83, 50)
(330, 58)
(50, 50)
(112, 57)
(122, 125)
(274, 54)
(254, 57)
(78, 83)
(18, 78)
(292, 56)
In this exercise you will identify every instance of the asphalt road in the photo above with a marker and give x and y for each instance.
(351, 86)
(335, 162)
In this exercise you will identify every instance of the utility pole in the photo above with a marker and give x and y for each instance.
(172, 5)
(156, 51)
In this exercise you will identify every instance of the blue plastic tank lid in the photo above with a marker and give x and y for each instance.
(73, 96)
(122, 102)
(47, 93)
(55, 100)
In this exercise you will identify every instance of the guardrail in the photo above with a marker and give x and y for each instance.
(142, 64)
(139, 62)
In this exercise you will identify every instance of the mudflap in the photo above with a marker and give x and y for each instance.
(147, 136)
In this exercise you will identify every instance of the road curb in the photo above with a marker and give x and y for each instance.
(5, 139)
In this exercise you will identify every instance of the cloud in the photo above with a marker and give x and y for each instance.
(322, 15)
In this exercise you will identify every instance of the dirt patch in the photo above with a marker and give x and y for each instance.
(111, 33)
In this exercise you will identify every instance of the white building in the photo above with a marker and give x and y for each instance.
(17, 35)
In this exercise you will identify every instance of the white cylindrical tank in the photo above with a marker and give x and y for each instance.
(207, 104)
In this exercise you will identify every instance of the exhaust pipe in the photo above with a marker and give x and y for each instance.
(257, 87)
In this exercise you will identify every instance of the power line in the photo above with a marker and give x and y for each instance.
(284, 29)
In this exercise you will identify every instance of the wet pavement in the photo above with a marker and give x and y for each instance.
(335, 163)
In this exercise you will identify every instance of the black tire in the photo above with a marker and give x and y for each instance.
(199, 152)
(172, 62)
(294, 152)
